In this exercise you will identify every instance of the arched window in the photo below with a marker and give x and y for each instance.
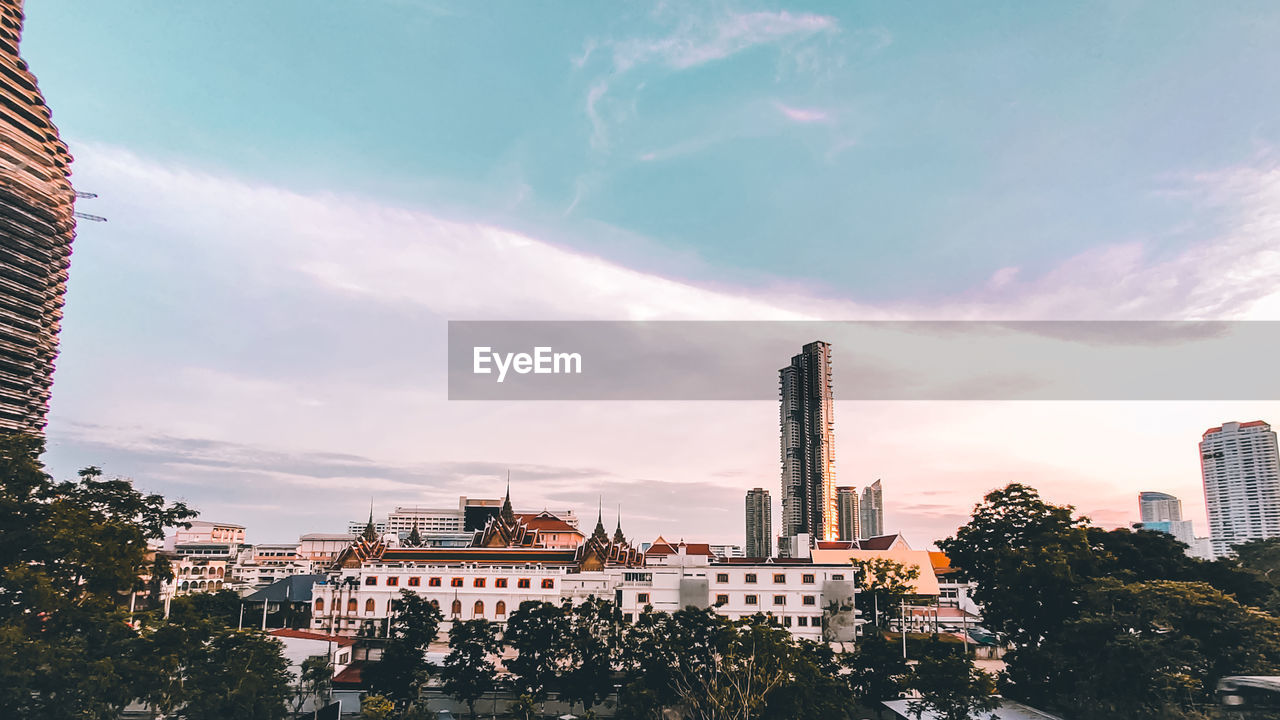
(351, 604)
(218, 585)
(456, 610)
(478, 610)
(368, 605)
(185, 571)
(185, 586)
(203, 584)
(500, 609)
(435, 604)
(319, 605)
(219, 572)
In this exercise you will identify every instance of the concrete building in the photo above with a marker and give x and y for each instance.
(203, 531)
(321, 549)
(759, 515)
(848, 522)
(725, 552)
(1241, 471)
(1158, 507)
(871, 511)
(37, 227)
(807, 423)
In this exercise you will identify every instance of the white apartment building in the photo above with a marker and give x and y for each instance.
(1241, 470)
(202, 531)
(321, 549)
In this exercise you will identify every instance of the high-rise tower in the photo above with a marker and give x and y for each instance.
(1159, 507)
(871, 510)
(1241, 470)
(848, 522)
(36, 230)
(807, 418)
(759, 524)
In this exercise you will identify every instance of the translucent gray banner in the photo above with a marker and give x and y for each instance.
(597, 360)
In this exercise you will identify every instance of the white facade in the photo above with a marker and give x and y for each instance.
(1159, 507)
(1241, 470)
(202, 531)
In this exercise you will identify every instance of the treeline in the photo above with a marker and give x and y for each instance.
(1115, 624)
(696, 661)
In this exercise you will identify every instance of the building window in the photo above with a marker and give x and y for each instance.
(368, 605)
(779, 578)
(415, 581)
(456, 609)
(626, 617)
(722, 600)
(478, 582)
(816, 621)
(779, 599)
(522, 583)
(751, 600)
(807, 578)
(500, 610)
(319, 605)
(351, 605)
(548, 583)
(837, 576)
(455, 582)
(393, 581)
(433, 582)
(500, 582)
(810, 600)
(371, 580)
(803, 621)
(750, 578)
(642, 597)
(722, 577)
(478, 610)
(786, 621)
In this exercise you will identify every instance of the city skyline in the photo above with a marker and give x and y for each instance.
(227, 342)
(1241, 468)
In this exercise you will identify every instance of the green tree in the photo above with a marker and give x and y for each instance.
(813, 687)
(469, 671)
(236, 674)
(589, 648)
(748, 665)
(1146, 650)
(950, 686)
(377, 707)
(884, 583)
(403, 669)
(1030, 560)
(534, 631)
(876, 670)
(315, 681)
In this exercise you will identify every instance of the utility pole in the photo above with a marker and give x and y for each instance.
(902, 626)
(240, 625)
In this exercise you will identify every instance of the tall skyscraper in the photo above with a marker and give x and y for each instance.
(807, 418)
(848, 523)
(871, 510)
(1241, 470)
(1159, 507)
(759, 524)
(36, 230)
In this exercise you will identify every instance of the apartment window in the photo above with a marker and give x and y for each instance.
(351, 605)
(626, 617)
(722, 577)
(779, 599)
(393, 581)
(816, 621)
(455, 582)
(722, 599)
(803, 621)
(548, 584)
(751, 577)
(786, 621)
(807, 578)
(752, 600)
(837, 576)
(368, 605)
(522, 583)
(500, 582)
(642, 597)
(810, 600)
(478, 582)
(779, 578)
(319, 605)
(371, 580)
(415, 581)
(433, 582)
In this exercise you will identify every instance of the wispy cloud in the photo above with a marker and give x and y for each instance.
(698, 41)
(804, 116)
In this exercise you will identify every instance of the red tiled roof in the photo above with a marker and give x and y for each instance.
(837, 544)
(548, 523)
(880, 542)
(666, 548)
(305, 635)
(941, 563)
(351, 676)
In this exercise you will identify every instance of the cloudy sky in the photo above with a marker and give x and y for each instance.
(302, 194)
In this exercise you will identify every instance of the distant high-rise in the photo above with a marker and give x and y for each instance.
(1159, 507)
(847, 520)
(36, 230)
(759, 524)
(1241, 469)
(871, 511)
(807, 418)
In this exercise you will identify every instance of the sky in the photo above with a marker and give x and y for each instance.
(301, 194)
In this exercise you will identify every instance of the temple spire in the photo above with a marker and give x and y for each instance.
(507, 514)
(599, 533)
(370, 532)
(415, 538)
(618, 537)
